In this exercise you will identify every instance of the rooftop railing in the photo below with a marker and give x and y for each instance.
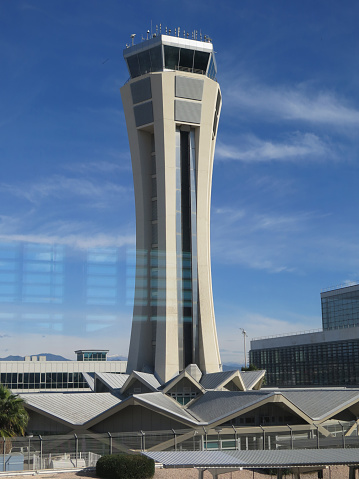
(306, 331)
(339, 286)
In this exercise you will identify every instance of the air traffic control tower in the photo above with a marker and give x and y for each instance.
(172, 104)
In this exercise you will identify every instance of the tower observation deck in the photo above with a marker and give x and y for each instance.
(172, 104)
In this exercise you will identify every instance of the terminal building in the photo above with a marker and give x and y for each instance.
(36, 374)
(329, 357)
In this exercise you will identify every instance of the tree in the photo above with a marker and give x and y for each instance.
(13, 415)
(251, 367)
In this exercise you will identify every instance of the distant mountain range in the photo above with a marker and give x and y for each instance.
(116, 358)
(232, 366)
(49, 357)
(56, 357)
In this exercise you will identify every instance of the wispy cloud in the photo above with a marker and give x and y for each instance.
(276, 241)
(231, 339)
(259, 240)
(60, 186)
(105, 167)
(297, 146)
(74, 240)
(302, 102)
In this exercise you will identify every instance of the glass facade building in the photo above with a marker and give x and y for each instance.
(340, 308)
(320, 364)
(326, 358)
(45, 380)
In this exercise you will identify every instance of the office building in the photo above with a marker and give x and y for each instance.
(172, 104)
(324, 358)
(36, 374)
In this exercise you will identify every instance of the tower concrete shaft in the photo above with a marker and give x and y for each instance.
(172, 104)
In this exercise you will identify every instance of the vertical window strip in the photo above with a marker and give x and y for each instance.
(193, 209)
(179, 249)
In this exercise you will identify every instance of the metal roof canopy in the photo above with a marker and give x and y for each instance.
(257, 459)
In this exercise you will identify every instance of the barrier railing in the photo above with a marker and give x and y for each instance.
(36, 452)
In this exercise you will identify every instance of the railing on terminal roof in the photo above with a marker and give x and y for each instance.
(340, 286)
(190, 70)
(306, 331)
(296, 333)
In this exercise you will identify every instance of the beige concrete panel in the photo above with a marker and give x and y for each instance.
(136, 161)
(209, 350)
(168, 88)
(140, 352)
(166, 364)
(164, 128)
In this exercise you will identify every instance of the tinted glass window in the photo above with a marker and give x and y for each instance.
(211, 70)
(156, 58)
(145, 62)
(186, 58)
(133, 66)
(171, 57)
(201, 61)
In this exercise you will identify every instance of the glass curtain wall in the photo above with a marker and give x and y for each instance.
(186, 244)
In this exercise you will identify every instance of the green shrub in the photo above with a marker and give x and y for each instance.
(121, 466)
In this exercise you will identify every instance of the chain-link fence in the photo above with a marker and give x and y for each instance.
(33, 453)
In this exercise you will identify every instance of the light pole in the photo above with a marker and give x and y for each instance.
(244, 341)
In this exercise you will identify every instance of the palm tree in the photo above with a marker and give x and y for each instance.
(13, 415)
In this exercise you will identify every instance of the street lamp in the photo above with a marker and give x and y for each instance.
(244, 341)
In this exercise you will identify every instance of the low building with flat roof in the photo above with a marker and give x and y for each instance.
(35, 374)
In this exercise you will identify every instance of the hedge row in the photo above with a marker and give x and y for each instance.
(122, 466)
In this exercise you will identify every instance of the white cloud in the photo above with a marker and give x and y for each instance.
(260, 240)
(105, 167)
(231, 338)
(252, 149)
(82, 241)
(300, 103)
(59, 186)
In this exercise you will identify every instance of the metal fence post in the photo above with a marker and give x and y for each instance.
(235, 437)
(343, 437)
(4, 450)
(110, 445)
(291, 436)
(264, 437)
(28, 451)
(218, 430)
(174, 440)
(205, 438)
(76, 448)
(40, 451)
(315, 425)
(143, 441)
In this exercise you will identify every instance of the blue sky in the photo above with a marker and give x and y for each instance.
(284, 201)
